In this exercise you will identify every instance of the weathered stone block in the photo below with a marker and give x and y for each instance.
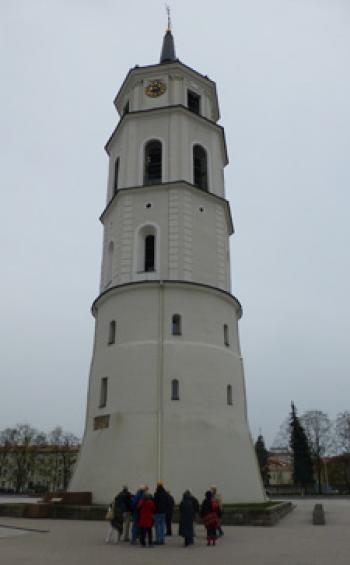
(318, 518)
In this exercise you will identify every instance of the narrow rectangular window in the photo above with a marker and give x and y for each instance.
(153, 163)
(193, 101)
(126, 108)
(176, 324)
(226, 336)
(116, 176)
(175, 390)
(112, 332)
(103, 392)
(149, 253)
(229, 395)
(200, 167)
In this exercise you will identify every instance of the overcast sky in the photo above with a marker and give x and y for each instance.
(282, 72)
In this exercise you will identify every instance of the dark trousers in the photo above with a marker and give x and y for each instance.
(168, 524)
(143, 532)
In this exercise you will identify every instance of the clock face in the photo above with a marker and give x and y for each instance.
(155, 88)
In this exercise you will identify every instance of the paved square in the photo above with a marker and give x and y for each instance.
(293, 541)
(11, 532)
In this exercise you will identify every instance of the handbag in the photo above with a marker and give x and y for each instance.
(110, 514)
(210, 520)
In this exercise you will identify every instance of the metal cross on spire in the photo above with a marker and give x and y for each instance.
(168, 48)
(167, 7)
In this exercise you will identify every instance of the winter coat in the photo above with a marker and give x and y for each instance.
(117, 520)
(216, 507)
(146, 508)
(206, 507)
(210, 508)
(161, 500)
(195, 504)
(170, 505)
(123, 501)
(134, 503)
(187, 514)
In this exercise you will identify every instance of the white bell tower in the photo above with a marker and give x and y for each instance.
(166, 398)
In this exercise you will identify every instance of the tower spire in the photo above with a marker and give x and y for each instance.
(168, 47)
(167, 7)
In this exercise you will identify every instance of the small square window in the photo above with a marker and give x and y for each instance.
(193, 101)
(101, 422)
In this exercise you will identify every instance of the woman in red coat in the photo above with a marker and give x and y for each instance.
(210, 513)
(146, 508)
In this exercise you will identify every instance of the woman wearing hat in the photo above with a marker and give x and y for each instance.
(210, 511)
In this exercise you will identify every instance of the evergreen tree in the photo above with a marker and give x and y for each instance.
(263, 456)
(302, 460)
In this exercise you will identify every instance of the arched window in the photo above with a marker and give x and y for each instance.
(200, 168)
(229, 395)
(226, 335)
(112, 332)
(175, 390)
(149, 253)
(146, 246)
(116, 176)
(103, 392)
(109, 265)
(153, 163)
(176, 324)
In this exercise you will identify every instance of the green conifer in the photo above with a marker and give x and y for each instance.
(302, 460)
(263, 456)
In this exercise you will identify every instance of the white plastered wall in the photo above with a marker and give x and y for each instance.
(178, 130)
(204, 366)
(192, 235)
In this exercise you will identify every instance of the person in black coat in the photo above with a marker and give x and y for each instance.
(123, 502)
(169, 514)
(196, 512)
(187, 514)
(161, 502)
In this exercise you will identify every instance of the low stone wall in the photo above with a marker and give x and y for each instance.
(255, 515)
(15, 510)
(72, 498)
(266, 514)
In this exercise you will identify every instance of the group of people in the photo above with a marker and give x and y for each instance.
(142, 512)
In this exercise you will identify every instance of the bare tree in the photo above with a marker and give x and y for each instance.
(342, 430)
(19, 442)
(342, 462)
(318, 428)
(6, 441)
(32, 459)
(282, 437)
(63, 446)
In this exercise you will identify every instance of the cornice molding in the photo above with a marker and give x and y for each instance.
(167, 282)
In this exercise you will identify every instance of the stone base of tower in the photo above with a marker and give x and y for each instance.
(192, 441)
(189, 463)
(195, 466)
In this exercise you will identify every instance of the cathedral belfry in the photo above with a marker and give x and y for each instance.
(166, 395)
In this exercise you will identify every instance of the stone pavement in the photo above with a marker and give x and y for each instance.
(293, 541)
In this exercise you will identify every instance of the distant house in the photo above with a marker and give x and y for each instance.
(335, 472)
(280, 465)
